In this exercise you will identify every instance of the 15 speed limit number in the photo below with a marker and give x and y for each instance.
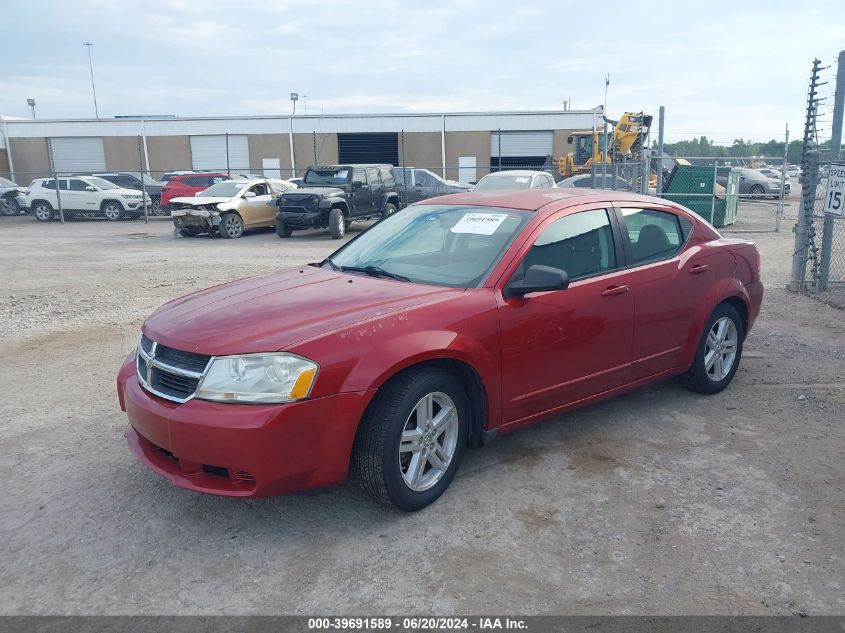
(834, 202)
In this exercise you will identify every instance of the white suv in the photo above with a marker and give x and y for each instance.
(82, 195)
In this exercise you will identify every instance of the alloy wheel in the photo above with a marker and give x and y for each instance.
(112, 212)
(720, 349)
(428, 442)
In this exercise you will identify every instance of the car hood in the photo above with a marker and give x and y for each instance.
(197, 201)
(311, 190)
(275, 312)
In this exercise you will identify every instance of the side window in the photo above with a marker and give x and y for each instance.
(358, 175)
(582, 182)
(422, 179)
(387, 176)
(63, 186)
(372, 176)
(654, 235)
(77, 185)
(581, 244)
(48, 184)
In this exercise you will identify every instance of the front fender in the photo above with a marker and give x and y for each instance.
(384, 361)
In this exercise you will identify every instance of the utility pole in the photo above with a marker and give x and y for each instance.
(31, 104)
(835, 146)
(88, 45)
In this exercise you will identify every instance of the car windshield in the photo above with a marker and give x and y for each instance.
(494, 181)
(326, 176)
(225, 189)
(99, 183)
(442, 245)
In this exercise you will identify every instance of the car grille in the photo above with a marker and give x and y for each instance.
(167, 372)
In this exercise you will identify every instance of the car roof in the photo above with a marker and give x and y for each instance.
(340, 166)
(536, 199)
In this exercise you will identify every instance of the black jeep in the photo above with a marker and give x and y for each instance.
(332, 196)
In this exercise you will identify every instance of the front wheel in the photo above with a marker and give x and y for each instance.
(337, 224)
(719, 352)
(231, 226)
(112, 211)
(156, 208)
(283, 230)
(412, 438)
(757, 191)
(10, 206)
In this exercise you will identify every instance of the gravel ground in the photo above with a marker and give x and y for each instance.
(659, 502)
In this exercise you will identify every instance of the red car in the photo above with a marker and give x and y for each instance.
(437, 328)
(188, 184)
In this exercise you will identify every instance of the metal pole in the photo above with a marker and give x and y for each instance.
(443, 146)
(713, 192)
(314, 133)
(228, 169)
(835, 145)
(9, 152)
(143, 181)
(782, 179)
(500, 149)
(661, 118)
(88, 45)
(290, 139)
(55, 179)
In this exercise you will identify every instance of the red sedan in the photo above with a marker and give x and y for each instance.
(439, 327)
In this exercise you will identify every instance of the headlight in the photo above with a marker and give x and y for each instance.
(258, 378)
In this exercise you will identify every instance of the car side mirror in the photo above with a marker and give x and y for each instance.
(540, 279)
(90, 188)
(249, 194)
(357, 184)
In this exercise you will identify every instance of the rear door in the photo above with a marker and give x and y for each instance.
(668, 281)
(362, 196)
(377, 188)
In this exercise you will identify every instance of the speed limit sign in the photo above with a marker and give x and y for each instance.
(834, 201)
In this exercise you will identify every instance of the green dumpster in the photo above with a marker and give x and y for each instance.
(693, 187)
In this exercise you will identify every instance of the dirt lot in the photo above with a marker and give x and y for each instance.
(661, 502)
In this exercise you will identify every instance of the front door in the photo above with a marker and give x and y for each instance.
(362, 196)
(562, 346)
(76, 196)
(259, 210)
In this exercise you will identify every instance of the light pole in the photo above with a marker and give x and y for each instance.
(88, 45)
(305, 103)
(294, 96)
(31, 104)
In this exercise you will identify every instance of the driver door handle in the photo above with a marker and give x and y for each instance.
(612, 291)
(701, 268)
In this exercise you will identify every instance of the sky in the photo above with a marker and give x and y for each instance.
(723, 69)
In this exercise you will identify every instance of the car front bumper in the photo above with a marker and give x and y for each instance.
(241, 450)
(303, 219)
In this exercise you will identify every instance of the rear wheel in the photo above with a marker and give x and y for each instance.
(389, 209)
(719, 352)
(412, 438)
(42, 211)
(10, 206)
(112, 210)
(337, 224)
(757, 191)
(231, 226)
(283, 230)
(156, 209)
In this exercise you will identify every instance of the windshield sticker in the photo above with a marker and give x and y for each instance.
(521, 179)
(342, 174)
(479, 223)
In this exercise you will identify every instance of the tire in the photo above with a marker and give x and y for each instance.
(283, 230)
(389, 209)
(397, 471)
(231, 226)
(155, 208)
(188, 232)
(756, 191)
(112, 210)
(42, 211)
(10, 207)
(337, 224)
(708, 374)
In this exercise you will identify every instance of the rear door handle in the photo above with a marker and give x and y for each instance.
(614, 290)
(701, 268)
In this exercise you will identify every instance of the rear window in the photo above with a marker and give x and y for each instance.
(387, 176)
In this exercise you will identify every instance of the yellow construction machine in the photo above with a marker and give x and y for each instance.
(626, 139)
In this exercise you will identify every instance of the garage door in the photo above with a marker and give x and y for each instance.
(208, 153)
(376, 147)
(78, 155)
(527, 150)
